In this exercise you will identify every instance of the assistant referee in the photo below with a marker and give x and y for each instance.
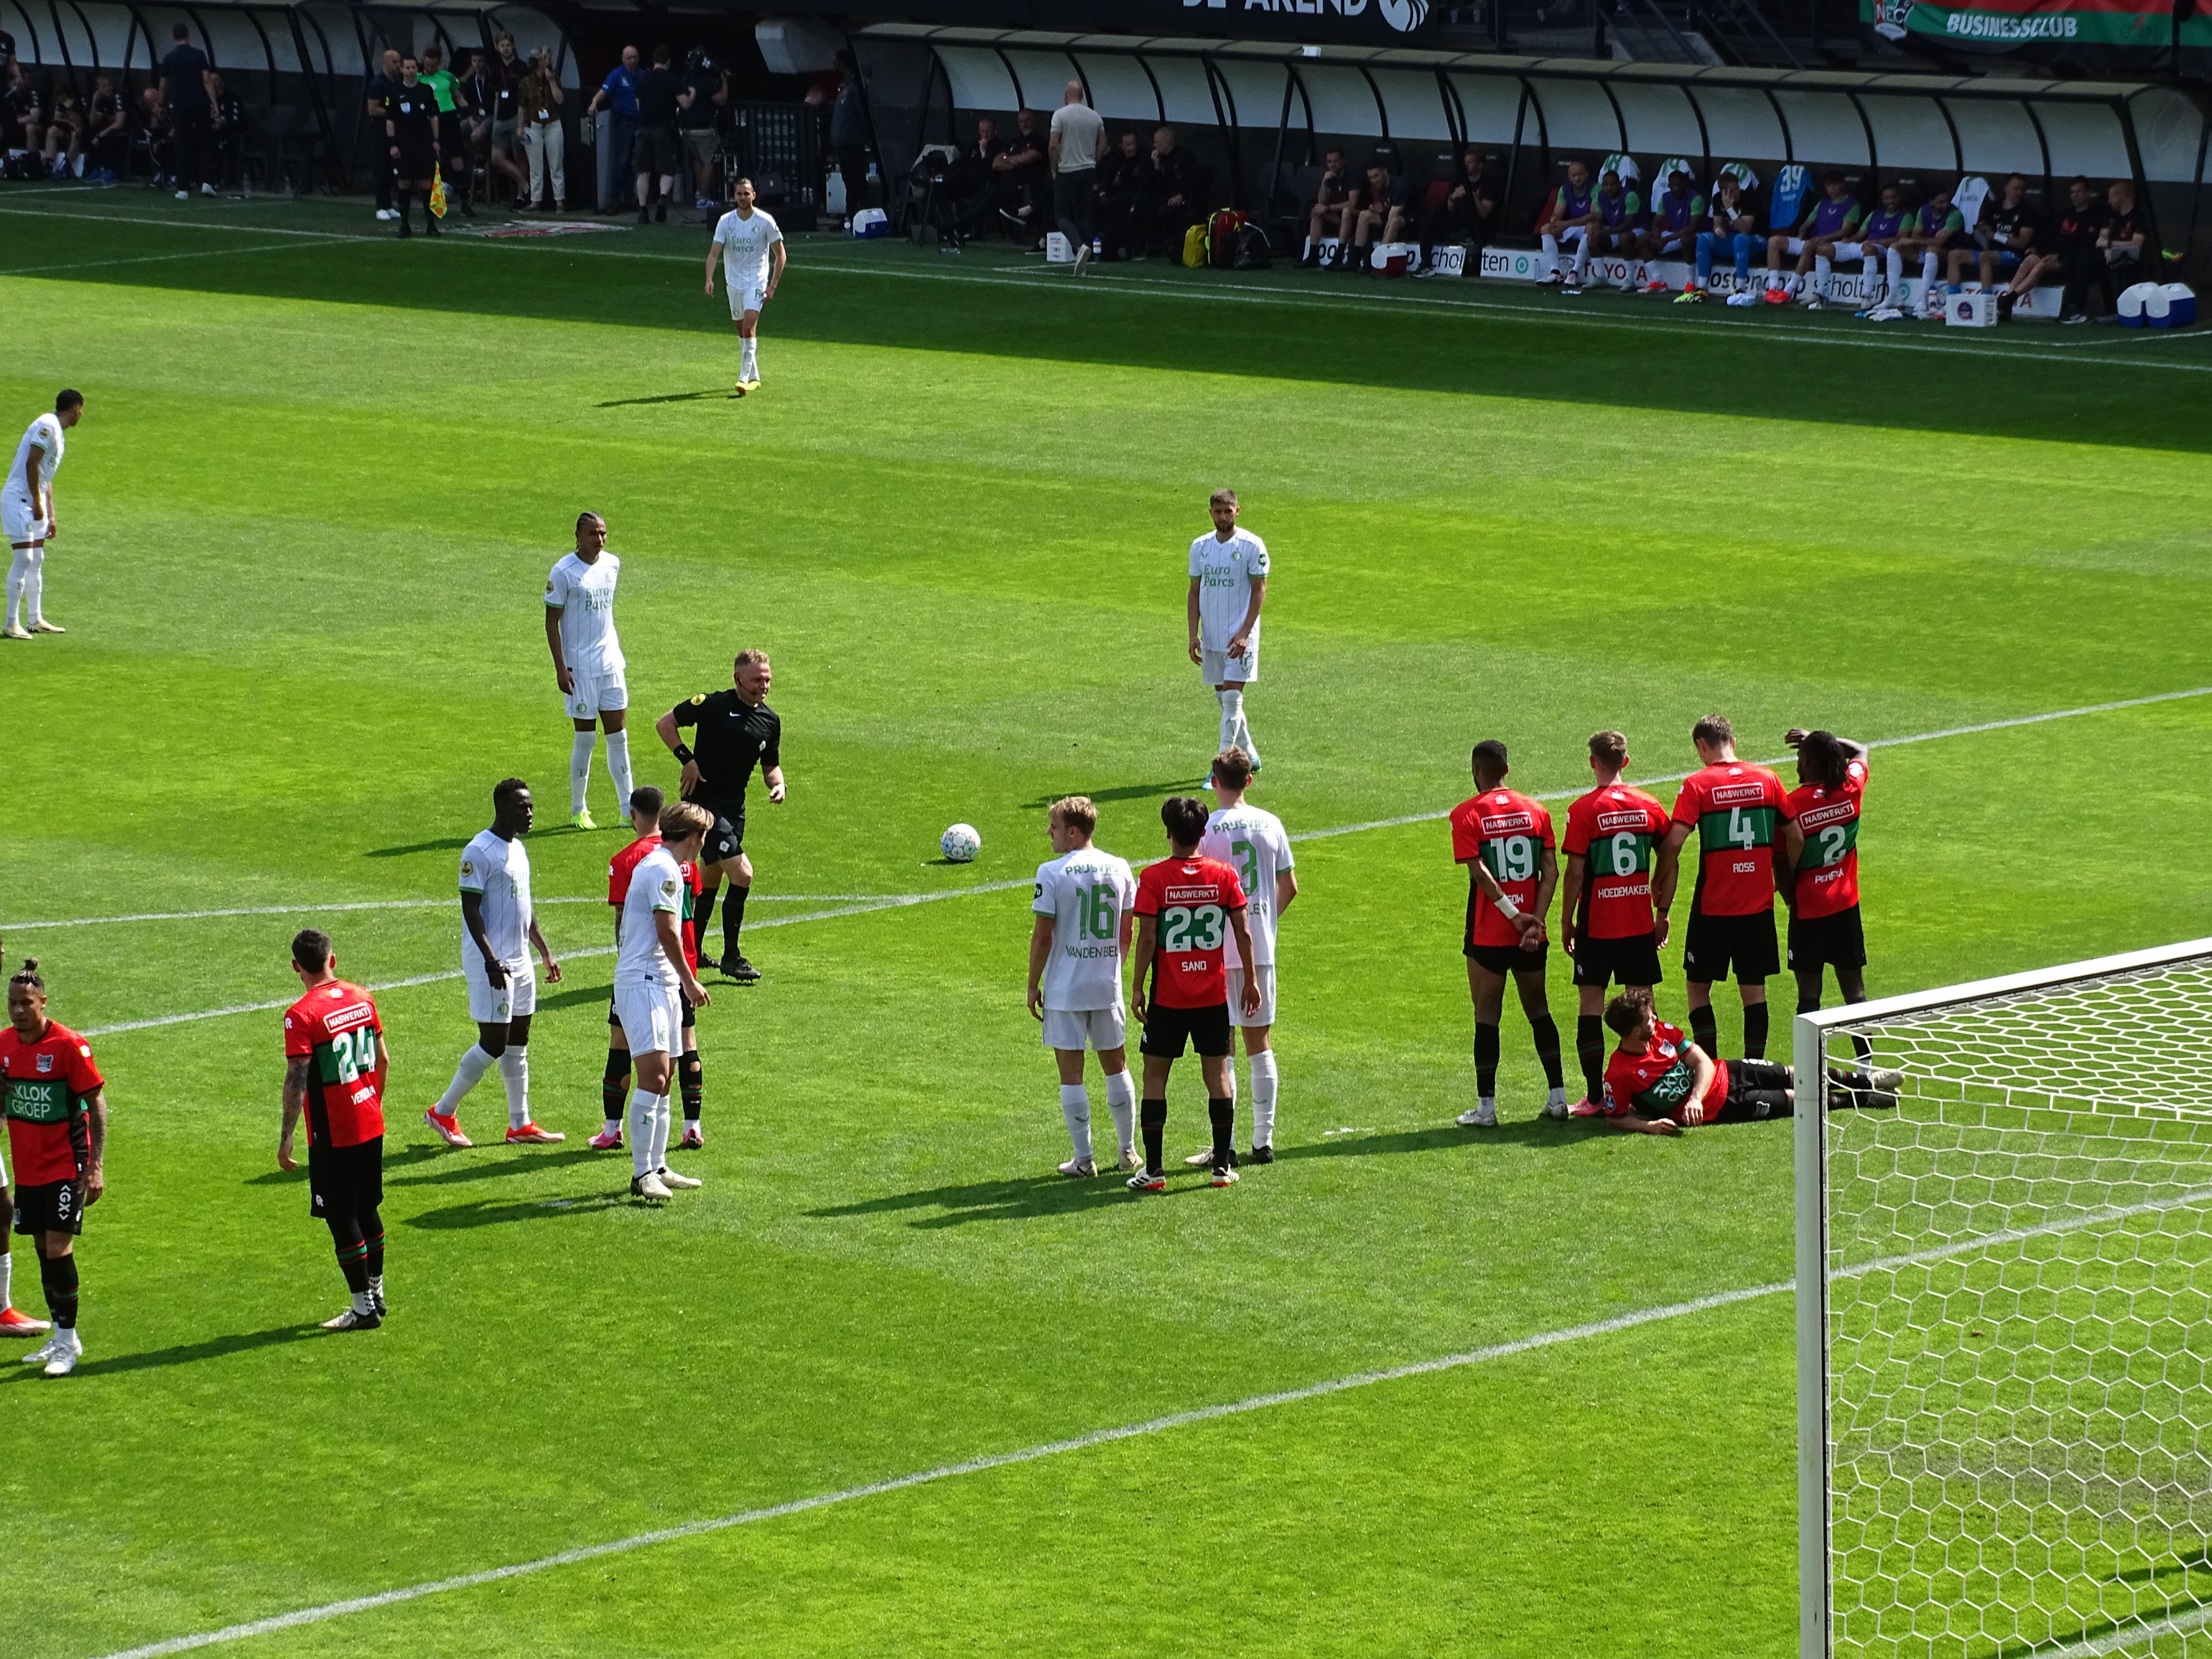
(736, 731)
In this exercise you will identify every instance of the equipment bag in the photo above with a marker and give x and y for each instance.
(1252, 249)
(1194, 247)
(1221, 237)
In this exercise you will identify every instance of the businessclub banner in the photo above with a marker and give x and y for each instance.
(1363, 22)
(2129, 26)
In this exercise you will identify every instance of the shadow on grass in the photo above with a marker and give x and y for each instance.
(451, 844)
(190, 1353)
(458, 1166)
(497, 1212)
(1125, 791)
(668, 397)
(1533, 1132)
(1008, 1201)
(570, 996)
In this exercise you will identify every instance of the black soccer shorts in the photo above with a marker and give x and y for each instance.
(1717, 943)
(55, 1208)
(1837, 941)
(1508, 958)
(1602, 961)
(345, 1181)
(724, 838)
(1166, 1029)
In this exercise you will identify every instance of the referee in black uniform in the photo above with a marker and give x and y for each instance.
(410, 129)
(736, 731)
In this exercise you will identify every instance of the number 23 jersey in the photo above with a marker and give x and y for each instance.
(334, 1029)
(1509, 832)
(1192, 898)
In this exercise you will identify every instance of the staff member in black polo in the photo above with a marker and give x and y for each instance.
(736, 731)
(410, 132)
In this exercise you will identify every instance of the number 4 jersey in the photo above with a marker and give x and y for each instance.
(1509, 832)
(1192, 898)
(1828, 869)
(1735, 807)
(1251, 842)
(334, 1029)
(1086, 893)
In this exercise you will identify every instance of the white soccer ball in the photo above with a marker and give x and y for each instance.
(961, 843)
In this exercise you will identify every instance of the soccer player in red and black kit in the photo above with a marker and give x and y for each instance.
(645, 804)
(1823, 890)
(1738, 811)
(1187, 908)
(335, 1061)
(1657, 1083)
(1606, 920)
(57, 1131)
(1505, 839)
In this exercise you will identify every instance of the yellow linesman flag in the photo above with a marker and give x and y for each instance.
(438, 190)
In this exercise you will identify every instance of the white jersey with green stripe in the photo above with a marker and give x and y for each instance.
(1251, 840)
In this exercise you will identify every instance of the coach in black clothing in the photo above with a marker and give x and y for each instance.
(184, 95)
(1170, 206)
(1125, 174)
(653, 153)
(736, 731)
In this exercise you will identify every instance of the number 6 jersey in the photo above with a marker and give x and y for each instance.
(1086, 893)
(1192, 898)
(334, 1029)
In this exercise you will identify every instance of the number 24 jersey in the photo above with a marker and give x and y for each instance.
(1192, 898)
(334, 1029)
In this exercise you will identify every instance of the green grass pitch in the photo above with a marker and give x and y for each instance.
(305, 525)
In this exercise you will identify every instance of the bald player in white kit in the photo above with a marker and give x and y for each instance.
(26, 515)
(588, 664)
(1228, 585)
(751, 250)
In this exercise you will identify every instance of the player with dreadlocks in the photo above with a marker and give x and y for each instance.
(56, 1108)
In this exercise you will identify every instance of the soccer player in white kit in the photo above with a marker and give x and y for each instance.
(587, 662)
(752, 248)
(26, 514)
(1251, 840)
(1077, 945)
(652, 983)
(498, 927)
(1228, 585)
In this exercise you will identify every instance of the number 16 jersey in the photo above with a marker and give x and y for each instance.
(1086, 893)
(1192, 897)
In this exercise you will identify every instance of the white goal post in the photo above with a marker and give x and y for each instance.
(2004, 1318)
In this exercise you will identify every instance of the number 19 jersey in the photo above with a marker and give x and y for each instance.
(1509, 832)
(334, 1029)
(1192, 898)
(1733, 806)
(1086, 893)
(1252, 843)
(1828, 869)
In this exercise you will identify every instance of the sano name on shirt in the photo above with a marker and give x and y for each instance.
(1192, 899)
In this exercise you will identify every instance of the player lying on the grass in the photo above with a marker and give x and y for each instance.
(1606, 923)
(335, 1061)
(1188, 907)
(1822, 885)
(587, 661)
(1832, 219)
(736, 731)
(1505, 839)
(1735, 809)
(1228, 588)
(56, 1109)
(652, 975)
(499, 927)
(1251, 840)
(1656, 1083)
(752, 254)
(1079, 940)
(645, 804)
(26, 515)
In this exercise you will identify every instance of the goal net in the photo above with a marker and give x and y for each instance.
(2004, 1289)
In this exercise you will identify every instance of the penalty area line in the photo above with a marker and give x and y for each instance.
(1106, 1436)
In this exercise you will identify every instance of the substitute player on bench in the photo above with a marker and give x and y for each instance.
(335, 1061)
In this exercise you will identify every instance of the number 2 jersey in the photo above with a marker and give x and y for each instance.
(1735, 807)
(1828, 868)
(1192, 898)
(1509, 832)
(1086, 893)
(334, 1029)
(49, 1083)
(1615, 831)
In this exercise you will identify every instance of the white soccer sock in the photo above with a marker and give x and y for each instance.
(364, 1302)
(1552, 247)
(643, 1108)
(515, 1073)
(34, 585)
(1928, 268)
(1121, 1103)
(474, 1063)
(18, 568)
(1822, 272)
(580, 769)
(6, 1276)
(1896, 275)
(1581, 258)
(610, 1126)
(660, 1132)
(1263, 1098)
(1075, 1107)
(1232, 714)
(618, 768)
(749, 356)
(1242, 736)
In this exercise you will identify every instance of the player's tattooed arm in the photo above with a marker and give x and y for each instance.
(776, 262)
(1040, 952)
(1527, 920)
(295, 1101)
(95, 1172)
(1191, 606)
(1547, 883)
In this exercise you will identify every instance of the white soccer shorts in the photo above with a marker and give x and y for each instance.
(1795, 246)
(19, 518)
(1674, 241)
(1854, 250)
(1100, 1029)
(1266, 1014)
(511, 1000)
(744, 297)
(1217, 668)
(651, 1014)
(596, 695)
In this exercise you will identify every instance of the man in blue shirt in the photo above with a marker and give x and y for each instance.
(184, 95)
(618, 94)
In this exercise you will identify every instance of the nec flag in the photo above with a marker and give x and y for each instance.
(2115, 31)
(1367, 22)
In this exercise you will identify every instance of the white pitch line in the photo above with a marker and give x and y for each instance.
(433, 904)
(190, 224)
(2096, 1647)
(951, 1471)
(150, 260)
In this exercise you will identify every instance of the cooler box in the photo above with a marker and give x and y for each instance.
(1390, 258)
(1971, 307)
(2170, 305)
(1058, 250)
(2134, 303)
(872, 222)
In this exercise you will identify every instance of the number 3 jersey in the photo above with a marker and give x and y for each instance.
(1509, 832)
(1086, 893)
(48, 1083)
(334, 1029)
(1733, 806)
(1252, 843)
(1192, 897)
(1828, 869)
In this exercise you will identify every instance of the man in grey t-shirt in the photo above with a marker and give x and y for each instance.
(1079, 139)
